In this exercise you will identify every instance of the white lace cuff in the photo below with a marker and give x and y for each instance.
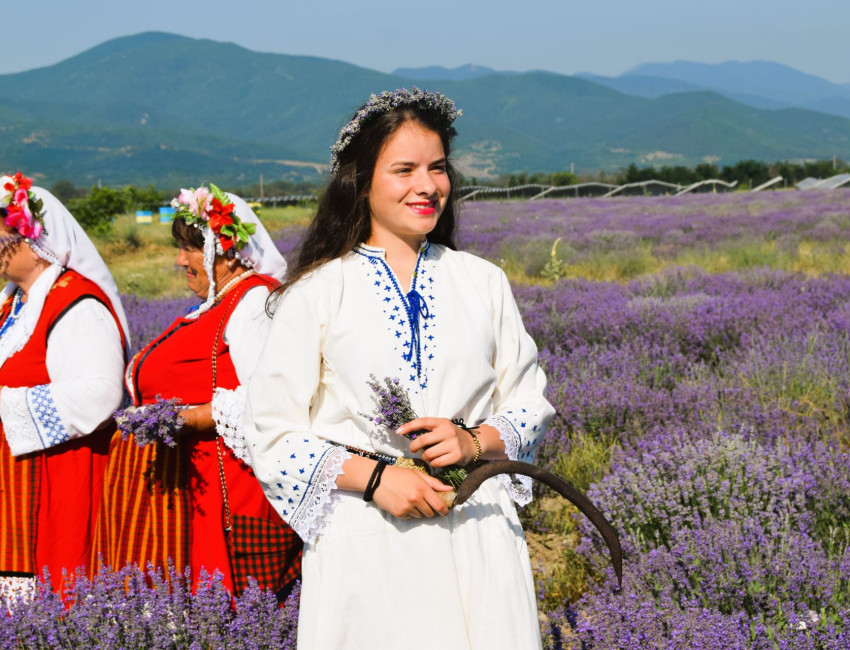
(518, 487)
(16, 590)
(308, 520)
(30, 420)
(228, 411)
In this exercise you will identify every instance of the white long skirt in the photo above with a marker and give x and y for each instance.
(461, 582)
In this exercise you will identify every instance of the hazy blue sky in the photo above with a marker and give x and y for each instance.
(559, 35)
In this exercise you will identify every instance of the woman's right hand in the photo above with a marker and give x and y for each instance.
(410, 494)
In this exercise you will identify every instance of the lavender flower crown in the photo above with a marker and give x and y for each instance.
(391, 100)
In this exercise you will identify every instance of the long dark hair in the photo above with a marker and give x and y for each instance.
(343, 218)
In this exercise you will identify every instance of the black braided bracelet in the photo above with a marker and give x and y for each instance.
(470, 431)
(374, 480)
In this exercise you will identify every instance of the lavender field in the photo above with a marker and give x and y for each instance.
(698, 355)
(622, 238)
(723, 403)
(707, 414)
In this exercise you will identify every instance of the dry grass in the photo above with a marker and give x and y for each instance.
(142, 256)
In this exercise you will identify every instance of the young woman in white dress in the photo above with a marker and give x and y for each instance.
(379, 290)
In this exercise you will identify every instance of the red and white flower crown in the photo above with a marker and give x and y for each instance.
(21, 209)
(211, 207)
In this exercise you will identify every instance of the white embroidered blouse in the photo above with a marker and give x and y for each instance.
(85, 361)
(458, 346)
(245, 334)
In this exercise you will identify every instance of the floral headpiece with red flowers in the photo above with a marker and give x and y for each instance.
(20, 208)
(211, 207)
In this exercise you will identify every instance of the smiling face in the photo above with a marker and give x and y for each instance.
(192, 261)
(409, 186)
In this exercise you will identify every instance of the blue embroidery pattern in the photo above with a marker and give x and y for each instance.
(410, 315)
(527, 436)
(46, 417)
(298, 488)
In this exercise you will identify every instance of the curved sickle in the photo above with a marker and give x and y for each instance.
(488, 470)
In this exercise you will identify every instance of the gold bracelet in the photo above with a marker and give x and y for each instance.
(477, 456)
(458, 422)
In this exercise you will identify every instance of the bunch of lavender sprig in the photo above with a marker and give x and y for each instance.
(392, 409)
(149, 423)
(392, 405)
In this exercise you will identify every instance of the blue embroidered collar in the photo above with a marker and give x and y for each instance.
(416, 310)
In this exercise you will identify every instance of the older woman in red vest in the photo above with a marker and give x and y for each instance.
(62, 339)
(191, 503)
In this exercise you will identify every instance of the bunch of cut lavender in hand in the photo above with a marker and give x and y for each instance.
(392, 409)
(149, 423)
(392, 405)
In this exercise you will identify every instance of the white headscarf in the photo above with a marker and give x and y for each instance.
(259, 253)
(65, 245)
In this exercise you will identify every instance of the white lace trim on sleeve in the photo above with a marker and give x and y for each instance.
(319, 502)
(18, 425)
(518, 487)
(16, 590)
(228, 411)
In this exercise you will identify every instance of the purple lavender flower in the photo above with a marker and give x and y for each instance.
(392, 409)
(392, 405)
(153, 608)
(150, 423)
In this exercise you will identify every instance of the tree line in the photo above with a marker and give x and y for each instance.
(746, 172)
(750, 173)
(95, 208)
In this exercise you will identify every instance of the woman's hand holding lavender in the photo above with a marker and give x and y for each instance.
(149, 423)
(443, 444)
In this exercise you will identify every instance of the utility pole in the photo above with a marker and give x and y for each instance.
(261, 186)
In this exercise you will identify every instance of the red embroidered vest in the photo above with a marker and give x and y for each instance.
(178, 363)
(45, 523)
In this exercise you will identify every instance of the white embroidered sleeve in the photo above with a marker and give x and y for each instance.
(519, 487)
(30, 419)
(85, 361)
(228, 411)
(296, 467)
(522, 413)
(306, 509)
(245, 334)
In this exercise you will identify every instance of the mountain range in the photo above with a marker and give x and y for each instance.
(166, 109)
